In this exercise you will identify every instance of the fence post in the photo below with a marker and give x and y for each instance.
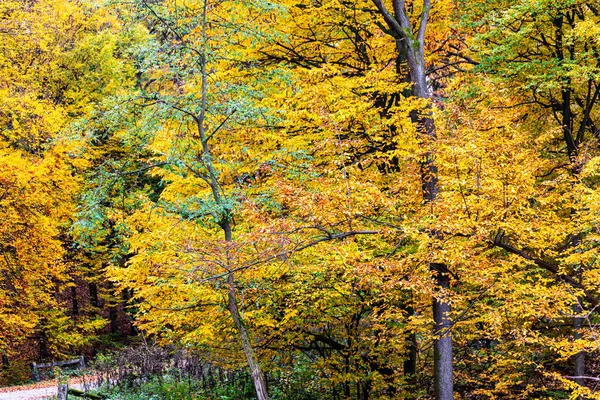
(34, 372)
(63, 392)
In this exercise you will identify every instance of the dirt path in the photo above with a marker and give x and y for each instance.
(42, 390)
(31, 394)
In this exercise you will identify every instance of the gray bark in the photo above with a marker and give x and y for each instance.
(412, 46)
(258, 377)
(444, 384)
(579, 361)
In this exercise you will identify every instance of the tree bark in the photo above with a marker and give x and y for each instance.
(75, 303)
(411, 44)
(257, 376)
(410, 364)
(112, 316)
(567, 115)
(444, 385)
(579, 361)
(93, 289)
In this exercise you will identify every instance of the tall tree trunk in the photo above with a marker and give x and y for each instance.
(443, 368)
(44, 353)
(579, 360)
(410, 363)
(443, 351)
(572, 144)
(112, 316)
(444, 385)
(411, 44)
(75, 303)
(257, 376)
(93, 289)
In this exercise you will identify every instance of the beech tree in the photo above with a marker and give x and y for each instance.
(411, 46)
(545, 54)
(354, 59)
(366, 199)
(47, 83)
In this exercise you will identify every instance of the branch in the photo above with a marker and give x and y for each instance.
(466, 59)
(389, 19)
(423, 24)
(327, 340)
(589, 378)
(402, 17)
(287, 253)
(552, 170)
(384, 223)
(180, 109)
(142, 169)
(182, 308)
(220, 125)
(198, 173)
(551, 266)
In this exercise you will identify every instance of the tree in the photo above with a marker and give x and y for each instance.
(53, 54)
(545, 55)
(177, 67)
(411, 46)
(342, 44)
(305, 187)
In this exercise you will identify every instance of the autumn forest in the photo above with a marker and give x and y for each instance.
(326, 199)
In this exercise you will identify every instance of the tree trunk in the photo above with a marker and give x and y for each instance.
(444, 385)
(579, 361)
(44, 353)
(93, 289)
(112, 316)
(410, 364)
(567, 115)
(257, 375)
(411, 47)
(75, 303)
(443, 374)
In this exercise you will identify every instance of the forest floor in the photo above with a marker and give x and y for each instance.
(39, 390)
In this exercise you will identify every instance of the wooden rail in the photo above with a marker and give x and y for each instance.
(64, 391)
(35, 367)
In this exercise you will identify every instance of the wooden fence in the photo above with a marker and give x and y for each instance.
(64, 391)
(35, 367)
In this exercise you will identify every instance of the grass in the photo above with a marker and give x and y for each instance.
(172, 388)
